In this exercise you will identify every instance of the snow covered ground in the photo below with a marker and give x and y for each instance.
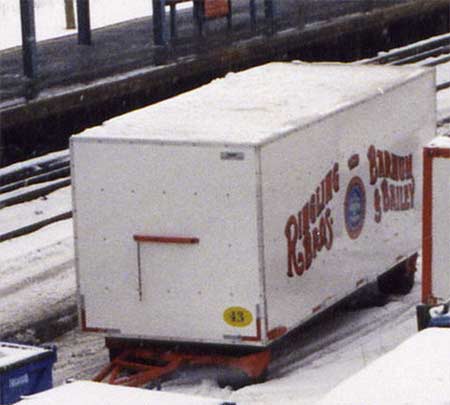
(91, 393)
(103, 12)
(415, 373)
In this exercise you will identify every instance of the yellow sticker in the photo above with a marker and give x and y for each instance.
(238, 317)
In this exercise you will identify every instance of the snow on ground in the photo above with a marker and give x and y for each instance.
(91, 393)
(37, 284)
(36, 268)
(416, 373)
(30, 212)
(50, 17)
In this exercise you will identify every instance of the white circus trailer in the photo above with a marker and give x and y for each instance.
(436, 222)
(232, 214)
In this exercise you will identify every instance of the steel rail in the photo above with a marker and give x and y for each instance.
(25, 230)
(29, 195)
(48, 175)
(435, 52)
(420, 54)
(409, 51)
(54, 170)
(33, 167)
(33, 194)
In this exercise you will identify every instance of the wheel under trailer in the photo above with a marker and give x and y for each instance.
(210, 225)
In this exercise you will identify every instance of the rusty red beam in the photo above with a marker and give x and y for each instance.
(166, 239)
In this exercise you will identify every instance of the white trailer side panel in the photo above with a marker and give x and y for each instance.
(436, 221)
(181, 291)
(367, 221)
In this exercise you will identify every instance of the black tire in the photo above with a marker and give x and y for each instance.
(400, 279)
(236, 379)
(368, 296)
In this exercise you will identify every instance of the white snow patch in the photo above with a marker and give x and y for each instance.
(440, 142)
(416, 373)
(91, 393)
(50, 17)
(30, 212)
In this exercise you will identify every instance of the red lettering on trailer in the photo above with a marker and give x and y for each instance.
(384, 164)
(308, 232)
(394, 180)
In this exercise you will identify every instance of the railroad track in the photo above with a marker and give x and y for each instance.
(432, 52)
(32, 179)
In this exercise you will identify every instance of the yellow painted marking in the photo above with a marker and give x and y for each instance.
(238, 317)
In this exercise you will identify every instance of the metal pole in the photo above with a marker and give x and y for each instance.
(252, 5)
(2, 149)
(271, 11)
(160, 35)
(70, 14)
(84, 22)
(29, 53)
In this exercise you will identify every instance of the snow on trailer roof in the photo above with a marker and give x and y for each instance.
(93, 393)
(253, 106)
(440, 142)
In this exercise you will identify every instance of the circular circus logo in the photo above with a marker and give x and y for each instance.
(355, 207)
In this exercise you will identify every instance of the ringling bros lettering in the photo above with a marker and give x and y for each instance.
(396, 189)
(311, 229)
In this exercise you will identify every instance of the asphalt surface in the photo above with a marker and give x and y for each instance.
(127, 46)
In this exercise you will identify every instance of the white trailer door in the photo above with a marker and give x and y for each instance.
(167, 239)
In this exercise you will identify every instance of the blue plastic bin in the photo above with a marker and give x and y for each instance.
(24, 370)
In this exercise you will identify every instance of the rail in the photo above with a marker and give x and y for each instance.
(429, 53)
(45, 175)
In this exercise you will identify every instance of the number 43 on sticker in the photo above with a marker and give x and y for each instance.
(238, 317)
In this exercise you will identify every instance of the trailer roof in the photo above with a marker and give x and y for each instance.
(256, 105)
(440, 142)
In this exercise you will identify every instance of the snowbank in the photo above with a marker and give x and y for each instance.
(91, 393)
(50, 17)
(416, 373)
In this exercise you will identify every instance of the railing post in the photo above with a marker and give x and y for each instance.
(252, 6)
(271, 12)
(29, 53)
(2, 149)
(84, 22)
(70, 14)
(160, 34)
